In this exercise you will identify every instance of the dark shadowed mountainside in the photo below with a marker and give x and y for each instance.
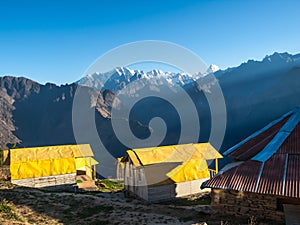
(32, 114)
(255, 93)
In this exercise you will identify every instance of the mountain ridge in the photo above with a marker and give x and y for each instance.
(33, 114)
(116, 79)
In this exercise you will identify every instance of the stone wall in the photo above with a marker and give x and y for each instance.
(47, 181)
(244, 205)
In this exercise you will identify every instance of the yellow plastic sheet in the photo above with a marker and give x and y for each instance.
(49, 161)
(41, 168)
(50, 152)
(193, 169)
(174, 153)
(82, 162)
(83, 150)
(179, 163)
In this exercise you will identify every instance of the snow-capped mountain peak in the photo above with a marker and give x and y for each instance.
(156, 72)
(212, 69)
(124, 71)
(118, 78)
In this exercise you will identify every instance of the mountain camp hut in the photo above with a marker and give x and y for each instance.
(52, 165)
(164, 173)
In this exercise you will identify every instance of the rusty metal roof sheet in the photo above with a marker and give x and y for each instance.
(278, 173)
(268, 177)
(242, 177)
(292, 143)
(258, 133)
(271, 180)
(279, 139)
(292, 182)
(253, 146)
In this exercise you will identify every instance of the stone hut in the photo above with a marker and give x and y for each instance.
(264, 179)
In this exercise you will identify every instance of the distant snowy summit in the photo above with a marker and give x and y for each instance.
(120, 77)
(212, 69)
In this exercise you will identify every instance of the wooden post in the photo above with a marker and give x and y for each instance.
(217, 166)
(95, 173)
(91, 168)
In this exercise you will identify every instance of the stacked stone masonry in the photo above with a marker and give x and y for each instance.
(244, 205)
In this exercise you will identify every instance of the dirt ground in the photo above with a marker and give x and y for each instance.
(32, 206)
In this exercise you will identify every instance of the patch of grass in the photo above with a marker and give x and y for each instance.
(109, 185)
(7, 184)
(90, 211)
(5, 207)
(7, 211)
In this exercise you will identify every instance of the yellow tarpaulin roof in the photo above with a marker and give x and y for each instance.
(50, 152)
(191, 161)
(193, 169)
(49, 161)
(42, 168)
(173, 153)
(89, 161)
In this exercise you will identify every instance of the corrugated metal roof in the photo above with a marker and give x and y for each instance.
(292, 143)
(292, 183)
(255, 145)
(278, 173)
(271, 181)
(279, 139)
(259, 132)
(242, 177)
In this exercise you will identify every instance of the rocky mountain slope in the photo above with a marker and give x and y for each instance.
(12, 89)
(6, 123)
(32, 114)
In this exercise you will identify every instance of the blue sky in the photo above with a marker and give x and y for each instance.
(55, 41)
